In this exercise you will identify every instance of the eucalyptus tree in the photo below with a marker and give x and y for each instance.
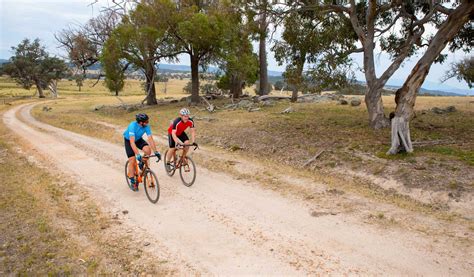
(200, 29)
(398, 28)
(141, 40)
(32, 65)
(454, 27)
(319, 43)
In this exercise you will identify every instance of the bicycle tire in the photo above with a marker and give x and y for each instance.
(155, 186)
(192, 169)
(169, 171)
(126, 175)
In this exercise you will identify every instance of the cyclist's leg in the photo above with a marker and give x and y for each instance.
(147, 150)
(172, 149)
(131, 159)
(131, 167)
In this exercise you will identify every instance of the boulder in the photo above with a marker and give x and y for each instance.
(245, 104)
(355, 102)
(343, 102)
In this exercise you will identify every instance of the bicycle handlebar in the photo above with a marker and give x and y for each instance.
(151, 156)
(196, 146)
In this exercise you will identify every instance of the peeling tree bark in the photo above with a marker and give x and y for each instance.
(53, 87)
(406, 95)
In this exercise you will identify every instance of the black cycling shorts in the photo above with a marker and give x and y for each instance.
(139, 143)
(183, 137)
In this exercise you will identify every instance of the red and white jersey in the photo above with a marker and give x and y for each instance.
(180, 126)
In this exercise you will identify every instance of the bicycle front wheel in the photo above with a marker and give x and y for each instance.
(152, 187)
(187, 172)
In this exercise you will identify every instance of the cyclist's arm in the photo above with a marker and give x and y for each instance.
(133, 145)
(193, 135)
(152, 143)
(175, 137)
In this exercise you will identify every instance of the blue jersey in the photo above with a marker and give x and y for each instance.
(137, 131)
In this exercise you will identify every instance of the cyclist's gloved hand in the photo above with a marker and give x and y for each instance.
(138, 157)
(158, 155)
(195, 144)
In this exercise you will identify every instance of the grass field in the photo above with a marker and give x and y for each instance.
(292, 139)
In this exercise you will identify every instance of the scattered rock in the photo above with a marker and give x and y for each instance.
(253, 109)
(131, 109)
(355, 102)
(268, 103)
(146, 243)
(174, 101)
(47, 109)
(125, 211)
(183, 99)
(99, 107)
(245, 104)
(449, 109)
(343, 102)
(333, 213)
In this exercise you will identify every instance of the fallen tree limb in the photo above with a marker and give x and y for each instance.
(210, 108)
(432, 142)
(308, 162)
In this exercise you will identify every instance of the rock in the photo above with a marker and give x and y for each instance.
(449, 109)
(244, 104)
(47, 109)
(131, 109)
(183, 99)
(343, 102)
(268, 103)
(96, 108)
(146, 243)
(174, 101)
(355, 102)
(125, 211)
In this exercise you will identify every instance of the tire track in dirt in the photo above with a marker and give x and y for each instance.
(224, 226)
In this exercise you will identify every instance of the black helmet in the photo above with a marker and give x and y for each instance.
(141, 117)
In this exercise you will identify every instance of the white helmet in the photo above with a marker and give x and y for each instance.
(184, 111)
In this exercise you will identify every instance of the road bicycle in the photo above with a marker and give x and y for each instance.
(146, 176)
(185, 165)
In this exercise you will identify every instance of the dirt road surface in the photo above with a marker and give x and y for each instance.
(223, 226)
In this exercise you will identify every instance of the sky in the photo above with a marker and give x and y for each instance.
(41, 19)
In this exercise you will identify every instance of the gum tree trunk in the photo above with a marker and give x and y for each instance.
(235, 86)
(194, 79)
(262, 53)
(40, 89)
(406, 95)
(150, 84)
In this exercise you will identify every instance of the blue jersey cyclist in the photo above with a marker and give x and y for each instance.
(133, 137)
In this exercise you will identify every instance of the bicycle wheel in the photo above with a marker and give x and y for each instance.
(187, 172)
(170, 169)
(152, 187)
(126, 175)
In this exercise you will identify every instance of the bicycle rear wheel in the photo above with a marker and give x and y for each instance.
(170, 169)
(126, 175)
(187, 172)
(152, 187)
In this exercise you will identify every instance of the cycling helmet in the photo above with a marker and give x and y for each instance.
(141, 117)
(184, 111)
